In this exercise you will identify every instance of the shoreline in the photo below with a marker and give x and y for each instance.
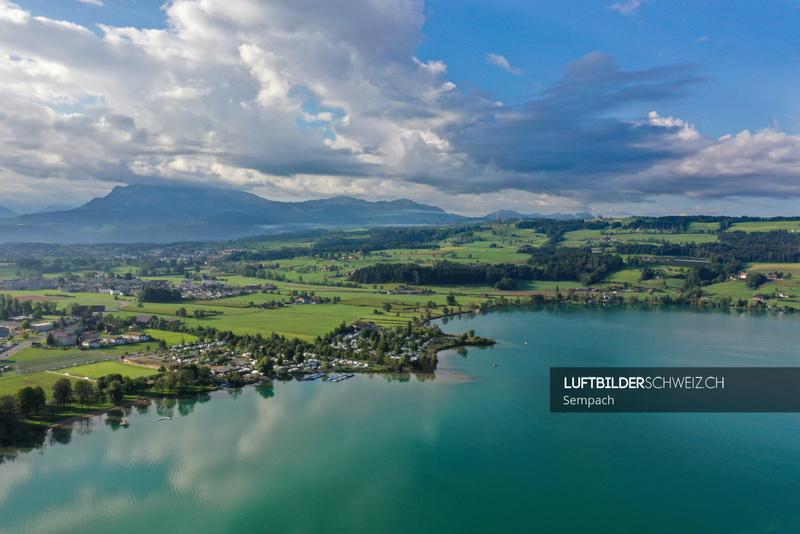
(100, 411)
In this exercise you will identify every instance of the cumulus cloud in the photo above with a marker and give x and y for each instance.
(309, 99)
(502, 62)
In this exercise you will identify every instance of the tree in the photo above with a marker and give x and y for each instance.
(114, 392)
(84, 391)
(185, 378)
(265, 366)
(25, 402)
(39, 399)
(62, 391)
(235, 379)
(170, 380)
(50, 340)
(506, 284)
(754, 280)
(451, 299)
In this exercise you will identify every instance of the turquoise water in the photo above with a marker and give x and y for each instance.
(473, 450)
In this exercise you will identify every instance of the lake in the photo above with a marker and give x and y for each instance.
(473, 449)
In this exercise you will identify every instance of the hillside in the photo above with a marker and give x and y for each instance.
(160, 214)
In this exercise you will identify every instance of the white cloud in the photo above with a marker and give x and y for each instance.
(502, 62)
(94, 2)
(628, 7)
(308, 99)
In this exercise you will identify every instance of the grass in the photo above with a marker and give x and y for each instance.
(9, 385)
(765, 226)
(785, 268)
(171, 338)
(585, 237)
(94, 371)
(710, 226)
(36, 360)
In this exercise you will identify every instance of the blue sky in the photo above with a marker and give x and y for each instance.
(614, 107)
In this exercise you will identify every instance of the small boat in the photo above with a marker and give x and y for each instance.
(125, 422)
(164, 419)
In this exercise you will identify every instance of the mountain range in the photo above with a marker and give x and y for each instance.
(165, 214)
(511, 214)
(6, 213)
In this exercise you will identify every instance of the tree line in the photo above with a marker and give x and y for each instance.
(578, 264)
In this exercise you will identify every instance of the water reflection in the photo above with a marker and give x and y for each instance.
(234, 392)
(397, 377)
(142, 407)
(266, 389)
(114, 418)
(165, 407)
(61, 434)
(186, 406)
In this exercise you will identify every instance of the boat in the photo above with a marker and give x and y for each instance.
(164, 419)
(125, 422)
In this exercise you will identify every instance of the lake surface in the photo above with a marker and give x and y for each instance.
(473, 450)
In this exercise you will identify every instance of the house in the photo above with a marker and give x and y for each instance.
(742, 275)
(4, 331)
(64, 338)
(91, 335)
(302, 300)
(42, 327)
(759, 297)
(142, 320)
(94, 344)
(135, 337)
(113, 340)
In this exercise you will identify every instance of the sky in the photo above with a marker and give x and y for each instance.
(629, 107)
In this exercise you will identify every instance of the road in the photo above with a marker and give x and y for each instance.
(19, 346)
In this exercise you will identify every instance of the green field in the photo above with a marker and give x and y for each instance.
(10, 384)
(595, 237)
(171, 338)
(709, 226)
(96, 370)
(785, 268)
(765, 226)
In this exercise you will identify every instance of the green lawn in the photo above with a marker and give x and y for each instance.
(585, 237)
(171, 338)
(710, 226)
(765, 226)
(785, 268)
(9, 385)
(37, 360)
(96, 370)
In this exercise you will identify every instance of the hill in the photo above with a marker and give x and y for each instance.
(511, 214)
(163, 214)
(5, 213)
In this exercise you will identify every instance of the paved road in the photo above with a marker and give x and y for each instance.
(19, 346)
